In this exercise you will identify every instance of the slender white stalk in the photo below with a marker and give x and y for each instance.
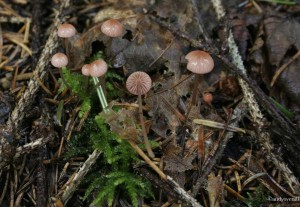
(101, 94)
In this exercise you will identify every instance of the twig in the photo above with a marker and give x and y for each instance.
(283, 67)
(161, 54)
(1, 43)
(198, 15)
(216, 153)
(250, 173)
(18, 114)
(147, 160)
(4, 188)
(233, 192)
(28, 148)
(76, 180)
(40, 72)
(182, 193)
(16, 20)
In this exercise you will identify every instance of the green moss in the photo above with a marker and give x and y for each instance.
(117, 177)
(257, 198)
(77, 83)
(80, 143)
(119, 156)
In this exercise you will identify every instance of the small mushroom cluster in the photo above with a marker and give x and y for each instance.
(111, 28)
(95, 69)
(138, 83)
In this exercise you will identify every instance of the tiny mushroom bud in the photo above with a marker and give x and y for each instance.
(59, 60)
(199, 62)
(138, 83)
(98, 68)
(208, 98)
(86, 69)
(112, 28)
(66, 30)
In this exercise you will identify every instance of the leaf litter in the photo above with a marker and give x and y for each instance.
(149, 47)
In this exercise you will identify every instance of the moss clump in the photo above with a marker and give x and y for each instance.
(118, 157)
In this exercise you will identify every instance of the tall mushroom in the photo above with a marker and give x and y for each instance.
(60, 61)
(67, 32)
(199, 63)
(139, 83)
(97, 69)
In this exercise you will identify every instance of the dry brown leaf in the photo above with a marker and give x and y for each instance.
(174, 162)
(281, 34)
(282, 38)
(214, 189)
(124, 123)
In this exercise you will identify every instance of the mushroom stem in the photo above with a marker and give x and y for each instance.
(100, 94)
(194, 93)
(146, 140)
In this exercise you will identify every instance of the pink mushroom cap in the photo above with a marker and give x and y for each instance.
(112, 28)
(98, 68)
(66, 30)
(138, 83)
(59, 60)
(199, 62)
(86, 70)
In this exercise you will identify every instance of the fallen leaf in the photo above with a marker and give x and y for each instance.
(281, 35)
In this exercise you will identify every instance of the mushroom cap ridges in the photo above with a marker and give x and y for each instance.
(138, 83)
(59, 60)
(112, 28)
(66, 30)
(98, 68)
(199, 62)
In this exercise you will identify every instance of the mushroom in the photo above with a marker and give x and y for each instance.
(86, 70)
(112, 28)
(98, 68)
(66, 30)
(208, 98)
(199, 63)
(59, 60)
(139, 83)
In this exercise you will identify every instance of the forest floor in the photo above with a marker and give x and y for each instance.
(226, 138)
